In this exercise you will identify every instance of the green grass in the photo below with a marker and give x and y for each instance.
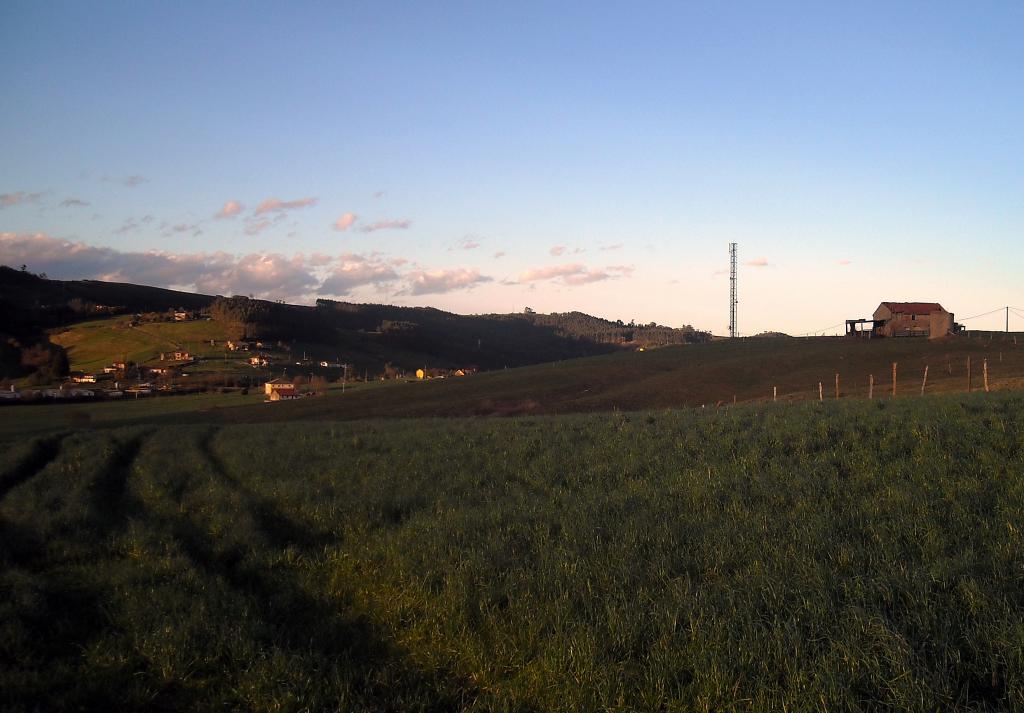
(95, 344)
(24, 420)
(800, 557)
(21, 421)
(672, 377)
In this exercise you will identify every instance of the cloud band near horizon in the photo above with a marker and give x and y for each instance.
(298, 277)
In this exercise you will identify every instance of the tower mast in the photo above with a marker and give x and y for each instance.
(732, 291)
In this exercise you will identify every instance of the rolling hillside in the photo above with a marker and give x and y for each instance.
(88, 318)
(673, 377)
(687, 376)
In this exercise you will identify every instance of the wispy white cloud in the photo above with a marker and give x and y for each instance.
(18, 198)
(844, 261)
(254, 227)
(467, 243)
(127, 226)
(758, 262)
(230, 210)
(264, 275)
(557, 250)
(179, 228)
(498, 255)
(276, 205)
(387, 224)
(624, 270)
(128, 181)
(352, 271)
(424, 282)
(73, 202)
(574, 274)
(615, 246)
(345, 221)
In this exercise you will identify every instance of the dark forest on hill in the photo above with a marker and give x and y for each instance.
(367, 334)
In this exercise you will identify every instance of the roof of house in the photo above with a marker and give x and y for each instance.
(913, 307)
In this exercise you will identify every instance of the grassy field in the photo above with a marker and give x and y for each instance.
(687, 376)
(839, 556)
(93, 345)
(671, 377)
(21, 421)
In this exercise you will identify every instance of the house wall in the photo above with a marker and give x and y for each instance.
(933, 325)
(941, 324)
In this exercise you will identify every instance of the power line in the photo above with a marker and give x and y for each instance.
(983, 314)
(815, 331)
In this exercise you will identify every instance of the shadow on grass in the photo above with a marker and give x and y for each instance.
(51, 613)
(316, 632)
(279, 529)
(42, 452)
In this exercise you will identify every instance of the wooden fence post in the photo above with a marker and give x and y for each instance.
(775, 394)
(821, 392)
(968, 374)
(924, 381)
(984, 369)
(871, 386)
(837, 386)
(894, 378)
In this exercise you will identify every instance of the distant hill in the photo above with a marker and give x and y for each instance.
(368, 336)
(703, 375)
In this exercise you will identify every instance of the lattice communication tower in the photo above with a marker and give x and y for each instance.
(732, 291)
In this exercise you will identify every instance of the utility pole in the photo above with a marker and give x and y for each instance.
(1007, 320)
(732, 290)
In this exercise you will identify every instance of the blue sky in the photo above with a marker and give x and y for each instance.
(855, 153)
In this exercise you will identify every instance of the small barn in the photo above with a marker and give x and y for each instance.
(912, 319)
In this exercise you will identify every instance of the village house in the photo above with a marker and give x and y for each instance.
(282, 386)
(180, 316)
(182, 356)
(282, 395)
(904, 319)
(69, 390)
(259, 360)
(84, 379)
(912, 319)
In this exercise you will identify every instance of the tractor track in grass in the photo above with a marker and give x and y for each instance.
(43, 452)
(295, 618)
(280, 529)
(111, 501)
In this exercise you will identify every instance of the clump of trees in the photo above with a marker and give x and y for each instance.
(44, 363)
